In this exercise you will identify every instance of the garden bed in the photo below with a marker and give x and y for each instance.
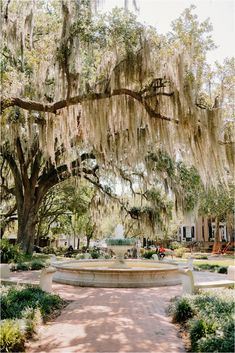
(22, 311)
(205, 321)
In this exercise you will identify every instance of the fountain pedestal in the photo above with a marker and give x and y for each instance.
(119, 251)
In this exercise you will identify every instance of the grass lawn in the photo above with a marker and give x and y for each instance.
(220, 261)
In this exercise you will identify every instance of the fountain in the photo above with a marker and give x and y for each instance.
(119, 245)
(121, 273)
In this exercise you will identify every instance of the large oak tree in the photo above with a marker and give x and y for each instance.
(82, 90)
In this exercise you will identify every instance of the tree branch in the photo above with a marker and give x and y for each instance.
(23, 167)
(17, 177)
(53, 108)
(35, 169)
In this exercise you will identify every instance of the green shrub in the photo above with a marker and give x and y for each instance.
(22, 266)
(32, 319)
(180, 252)
(37, 265)
(94, 254)
(211, 268)
(200, 257)
(208, 267)
(209, 344)
(218, 305)
(9, 252)
(222, 269)
(148, 254)
(200, 328)
(183, 310)
(16, 300)
(175, 245)
(11, 338)
(51, 250)
(30, 265)
(212, 327)
(227, 344)
(80, 256)
(224, 343)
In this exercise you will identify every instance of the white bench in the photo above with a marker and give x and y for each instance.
(190, 287)
(46, 275)
(4, 271)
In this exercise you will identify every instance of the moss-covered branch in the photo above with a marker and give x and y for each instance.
(54, 107)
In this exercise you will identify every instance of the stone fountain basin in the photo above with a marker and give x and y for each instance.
(97, 273)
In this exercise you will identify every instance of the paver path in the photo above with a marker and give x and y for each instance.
(111, 320)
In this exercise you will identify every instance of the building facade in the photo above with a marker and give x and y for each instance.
(203, 230)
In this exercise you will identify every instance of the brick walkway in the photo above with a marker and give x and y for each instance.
(111, 319)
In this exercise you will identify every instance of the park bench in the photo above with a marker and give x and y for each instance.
(191, 287)
(44, 281)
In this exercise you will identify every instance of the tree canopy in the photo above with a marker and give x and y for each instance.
(86, 94)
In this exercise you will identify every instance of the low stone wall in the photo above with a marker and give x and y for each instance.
(93, 274)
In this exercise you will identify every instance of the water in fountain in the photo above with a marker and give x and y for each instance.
(119, 245)
(119, 232)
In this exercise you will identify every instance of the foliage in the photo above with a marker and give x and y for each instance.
(183, 310)
(30, 263)
(162, 162)
(175, 245)
(95, 254)
(200, 257)
(216, 344)
(62, 207)
(200, 328)
(196, 38)
(80, 256)
(222, 269)
(211, 268)
(156, 210)
(190, 185)
(218, 202)
(11, 337)
(180, 252)
(37, 265)
(211, 322)
(32, 319)
(71, 51)
(117, 31)
(219, 344)
(15, 301)
(53, 250)
(9, 252)
(148, 254)
(22, 266)
(182, 179)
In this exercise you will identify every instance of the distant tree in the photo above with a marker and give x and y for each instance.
(62, 207)
(219, 204)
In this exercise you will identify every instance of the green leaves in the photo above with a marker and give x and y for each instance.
(209, 318)
(217, 202)
(184, 180)
(190, 185)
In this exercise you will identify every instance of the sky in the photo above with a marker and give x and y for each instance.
(160, 14)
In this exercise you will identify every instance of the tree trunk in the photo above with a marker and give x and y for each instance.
(26, 229)
(2, 229)
(217, 245)
(88, 238)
